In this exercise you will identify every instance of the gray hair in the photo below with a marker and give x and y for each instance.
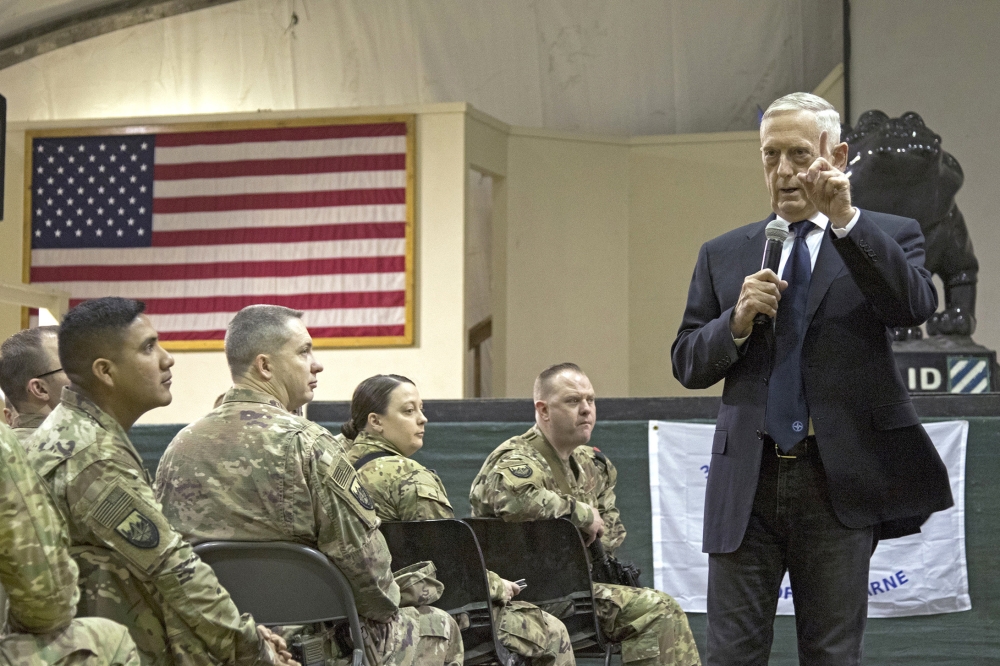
(256, 329)
(827, 117)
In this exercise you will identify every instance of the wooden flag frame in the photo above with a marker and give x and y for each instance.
(409, 120)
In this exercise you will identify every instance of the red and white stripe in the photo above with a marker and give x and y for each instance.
(312, 218)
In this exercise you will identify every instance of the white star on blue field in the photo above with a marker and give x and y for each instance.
(94, 191)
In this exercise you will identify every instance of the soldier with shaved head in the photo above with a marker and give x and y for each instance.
(551, 472)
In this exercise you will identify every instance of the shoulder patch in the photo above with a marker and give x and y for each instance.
(139, 531)
(343, 473)
(520, 471)
(114, 508)
(360, 494)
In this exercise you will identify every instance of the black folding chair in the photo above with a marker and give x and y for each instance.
(452, 546)
(551, 557)
(283, 583)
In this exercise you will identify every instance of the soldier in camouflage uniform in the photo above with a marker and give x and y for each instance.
(252, 471)
(36, 567)
(31, 376)
(387, 425)
(134, 567)
(550, 472)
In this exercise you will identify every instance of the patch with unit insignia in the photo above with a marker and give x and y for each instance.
(521, 471)
(360, 494)
(139, 531)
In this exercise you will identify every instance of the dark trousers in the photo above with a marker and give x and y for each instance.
(792, 527)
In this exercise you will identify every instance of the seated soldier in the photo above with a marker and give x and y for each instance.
(387, 426)
(550, 472)
(134, 567)
(253, 471)
(35, 566)
(31, 376)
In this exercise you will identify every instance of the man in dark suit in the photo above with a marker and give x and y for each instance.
(818, 451)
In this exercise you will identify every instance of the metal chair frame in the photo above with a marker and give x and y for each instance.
(558, 565)
(282, 583)
(452, 546)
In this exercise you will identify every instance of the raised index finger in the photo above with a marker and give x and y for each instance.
(823, 139)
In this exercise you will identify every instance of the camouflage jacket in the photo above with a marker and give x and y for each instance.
(524, 479)
(607, 479)
(27, 424)
(101, 488)
(252, 471)
(403, 489)
(36, 569)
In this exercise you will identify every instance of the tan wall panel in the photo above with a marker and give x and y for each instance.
(682, 192)
(12, 230)
(567, 267)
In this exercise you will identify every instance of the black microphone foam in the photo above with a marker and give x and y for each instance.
(776, 232)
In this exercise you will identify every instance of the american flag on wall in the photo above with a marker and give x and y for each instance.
(199, 222)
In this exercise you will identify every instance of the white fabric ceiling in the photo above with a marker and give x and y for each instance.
(600, 66)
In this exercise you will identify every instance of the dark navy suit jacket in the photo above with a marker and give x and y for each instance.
(881, 466)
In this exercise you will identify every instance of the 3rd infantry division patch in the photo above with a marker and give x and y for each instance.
(139, 531)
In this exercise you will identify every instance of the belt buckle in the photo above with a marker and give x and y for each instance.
(777, 452)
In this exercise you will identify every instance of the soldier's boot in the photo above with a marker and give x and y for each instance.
(88, 641)
(649, 624)
(527, 630)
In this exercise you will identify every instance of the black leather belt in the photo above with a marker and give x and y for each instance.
(804, 449)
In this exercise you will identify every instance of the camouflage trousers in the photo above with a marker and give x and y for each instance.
(527, 630)
(650, 625)
(88, 641)
(419, 636)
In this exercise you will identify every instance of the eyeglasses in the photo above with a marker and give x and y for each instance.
(46, 374)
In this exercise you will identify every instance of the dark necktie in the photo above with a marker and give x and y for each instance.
(787, 413)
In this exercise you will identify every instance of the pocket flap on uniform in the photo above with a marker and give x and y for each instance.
(430, 492)
(895, 415)
(719, 441)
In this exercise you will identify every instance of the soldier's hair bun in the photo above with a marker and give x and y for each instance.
(349, 430)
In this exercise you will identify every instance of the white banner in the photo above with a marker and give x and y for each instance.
(922, 574)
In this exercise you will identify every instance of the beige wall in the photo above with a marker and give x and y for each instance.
(567, 259)
(435, 361)
(12, 229)
(683, 191)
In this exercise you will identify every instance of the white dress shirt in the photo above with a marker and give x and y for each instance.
(814, 239)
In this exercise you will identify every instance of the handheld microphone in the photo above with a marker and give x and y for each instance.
(776, 232)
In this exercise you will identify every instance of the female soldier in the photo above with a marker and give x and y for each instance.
(387, 426)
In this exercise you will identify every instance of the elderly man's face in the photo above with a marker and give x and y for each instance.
(789, 143)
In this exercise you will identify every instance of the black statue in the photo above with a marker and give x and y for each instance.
(896, 166)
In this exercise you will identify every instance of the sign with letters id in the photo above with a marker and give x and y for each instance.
(922, 574)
